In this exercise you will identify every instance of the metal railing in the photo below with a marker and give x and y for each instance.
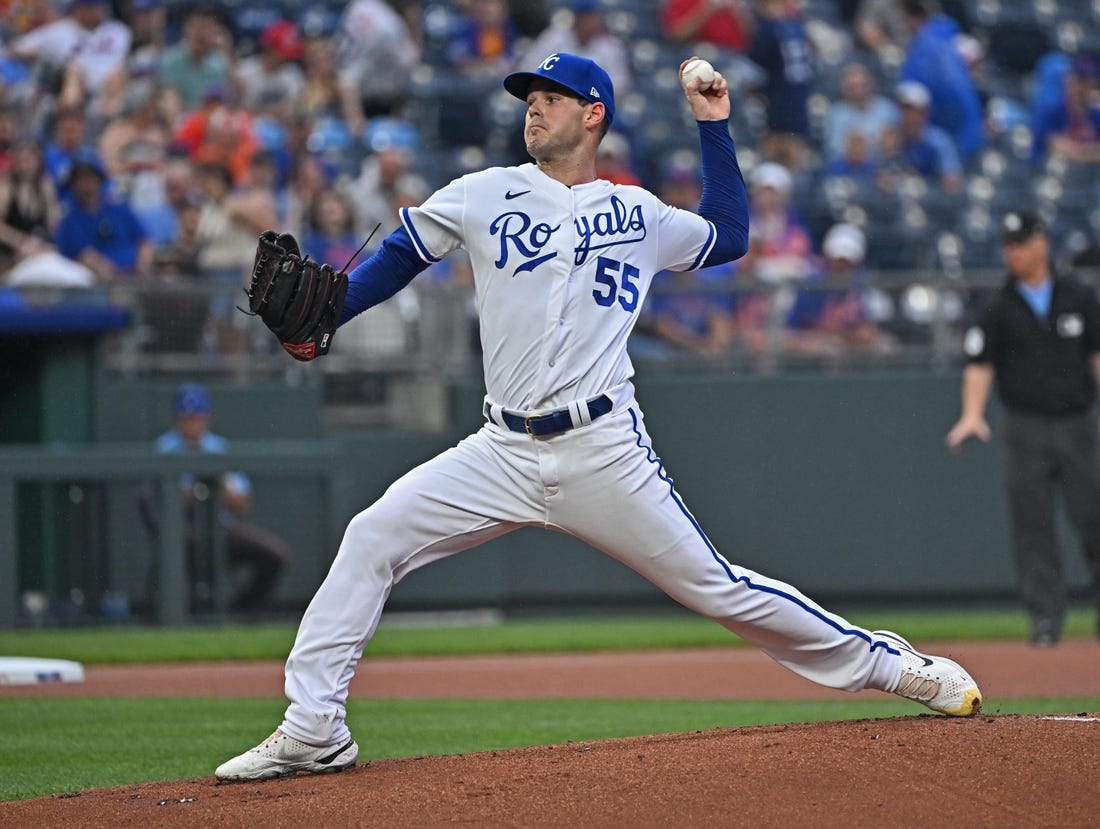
(185, 326)
(102, 464)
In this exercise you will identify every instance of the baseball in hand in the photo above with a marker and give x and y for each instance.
(700, 69)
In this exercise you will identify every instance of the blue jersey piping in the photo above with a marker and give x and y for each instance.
(651, 457)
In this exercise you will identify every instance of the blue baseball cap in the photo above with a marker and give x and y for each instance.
(581, 76)
(192, 399)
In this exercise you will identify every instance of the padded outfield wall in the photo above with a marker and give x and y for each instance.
(839, 484)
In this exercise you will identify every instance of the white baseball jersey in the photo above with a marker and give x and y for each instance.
(98, 52)
(560, 274)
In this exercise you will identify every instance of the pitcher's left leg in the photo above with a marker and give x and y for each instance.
(653, 532)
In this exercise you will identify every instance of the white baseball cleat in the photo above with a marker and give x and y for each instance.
(934, 681)
(279, 755)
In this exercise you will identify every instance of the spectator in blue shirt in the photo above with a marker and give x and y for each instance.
(1047, 99)
(331, 236)
(855, 160)
(102, 234)
(67, 144)
(690, 312)
(925, 149)
(1071, 129)
(782, 49)
(261, 551)
(484, 40)
(830, 313)
(932, 58)
(860, 111)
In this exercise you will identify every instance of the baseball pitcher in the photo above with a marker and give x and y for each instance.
(562, 263)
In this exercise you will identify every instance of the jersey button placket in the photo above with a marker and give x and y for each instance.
(557, 330)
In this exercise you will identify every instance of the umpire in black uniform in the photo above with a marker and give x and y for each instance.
(1039, 338)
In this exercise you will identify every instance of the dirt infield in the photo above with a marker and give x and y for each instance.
(1004, 670)
(988, 771)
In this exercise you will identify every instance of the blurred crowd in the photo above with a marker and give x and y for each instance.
(154, 139)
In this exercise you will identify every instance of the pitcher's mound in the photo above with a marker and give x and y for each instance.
(987, 771)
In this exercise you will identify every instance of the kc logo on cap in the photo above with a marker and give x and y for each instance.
(583, 77)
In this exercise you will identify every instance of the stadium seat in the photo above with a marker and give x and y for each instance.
(171, 318)
(388, 334)
(625, 25)
(249, 19)
(1016, 46)
(979, 231)
(318, 19)
(645, 55)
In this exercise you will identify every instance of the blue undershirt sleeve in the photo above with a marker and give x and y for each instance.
(386, 272)
(724, 202)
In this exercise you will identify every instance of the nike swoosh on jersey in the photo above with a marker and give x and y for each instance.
(510, 195)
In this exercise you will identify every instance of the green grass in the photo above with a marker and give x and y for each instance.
(52, 746)
(95, 646)
(57, 745)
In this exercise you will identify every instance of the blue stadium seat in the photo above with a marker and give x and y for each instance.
(1016, 47)
(453, 110)
(889, 249)
(627, 25)
(249, 19)
(646, 55)
(1082, 11)
(826, 10)
(996, 13)
(440, 21)
(979, 231)
(318, 19)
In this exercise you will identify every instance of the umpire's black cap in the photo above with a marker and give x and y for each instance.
(1020, 225)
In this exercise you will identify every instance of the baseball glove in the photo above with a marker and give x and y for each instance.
(298, 299)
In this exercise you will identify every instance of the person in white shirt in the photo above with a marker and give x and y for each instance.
(586, 35)
(375, 54)
(85, 50)
(373, 193)
(271, 81)
(861, 109)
